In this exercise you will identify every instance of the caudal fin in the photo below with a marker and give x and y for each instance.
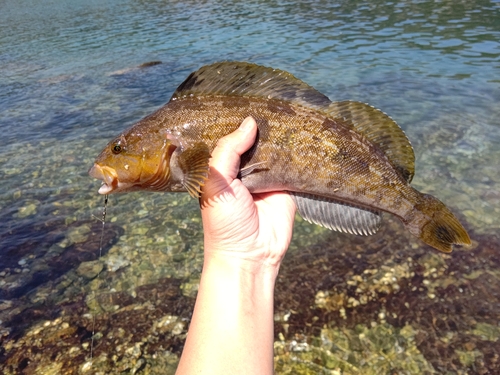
(437, 226)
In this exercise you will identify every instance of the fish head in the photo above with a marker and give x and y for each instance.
(132, 162)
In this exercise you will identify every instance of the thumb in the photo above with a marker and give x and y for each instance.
(225, 161)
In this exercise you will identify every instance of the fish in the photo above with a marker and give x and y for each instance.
(344, 163)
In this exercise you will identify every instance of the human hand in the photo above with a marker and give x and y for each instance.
(255, 229)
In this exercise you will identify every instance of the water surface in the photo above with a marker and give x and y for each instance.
(70, 80)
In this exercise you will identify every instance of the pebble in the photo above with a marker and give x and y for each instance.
(116, 262)
(89, 270)
(27, 210)
(87, 366)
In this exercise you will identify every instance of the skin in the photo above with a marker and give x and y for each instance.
(246, 238)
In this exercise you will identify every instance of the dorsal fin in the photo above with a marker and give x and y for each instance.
(246, 79)
(380, 129)
(335, 215)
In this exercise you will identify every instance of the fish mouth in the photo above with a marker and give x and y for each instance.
(108, 176)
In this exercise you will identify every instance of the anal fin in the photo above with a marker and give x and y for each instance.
(336, 215)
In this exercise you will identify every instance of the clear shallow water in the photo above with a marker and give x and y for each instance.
(70, 81)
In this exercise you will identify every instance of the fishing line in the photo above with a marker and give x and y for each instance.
(94, 313)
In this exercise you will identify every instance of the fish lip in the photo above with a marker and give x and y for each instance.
(105, 189)
(107, 175)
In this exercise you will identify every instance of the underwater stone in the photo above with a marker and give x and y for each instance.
(140, 363)
(190, 289)
(139, 230)
(116, 262)
(467, 358)
(27, 210)
(135, 351)
(178, 328)
(89, 270)
(170, 323)
(86, 366)
(4, 305)
(78, 234)
(487, 331)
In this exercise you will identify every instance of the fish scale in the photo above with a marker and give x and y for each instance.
(343, 163)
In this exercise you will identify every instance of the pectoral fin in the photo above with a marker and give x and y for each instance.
(335, 215)
(193, 162)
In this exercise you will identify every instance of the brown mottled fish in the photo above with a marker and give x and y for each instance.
(344, 163)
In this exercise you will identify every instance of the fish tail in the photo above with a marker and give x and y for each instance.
(436, 225)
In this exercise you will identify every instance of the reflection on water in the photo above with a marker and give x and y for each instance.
(353, 305)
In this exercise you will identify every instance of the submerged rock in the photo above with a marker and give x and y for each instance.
(89, 270)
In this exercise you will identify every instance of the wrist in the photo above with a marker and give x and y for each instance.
(232, 264)
(246, 260)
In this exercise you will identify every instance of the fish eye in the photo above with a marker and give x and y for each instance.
(117, 148)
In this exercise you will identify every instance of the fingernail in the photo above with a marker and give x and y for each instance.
(246, 125)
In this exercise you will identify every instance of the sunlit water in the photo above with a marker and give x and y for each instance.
(70, 80)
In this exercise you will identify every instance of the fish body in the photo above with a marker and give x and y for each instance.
(343, 162)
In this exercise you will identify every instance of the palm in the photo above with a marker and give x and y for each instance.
(256, 227)
(261, 223)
